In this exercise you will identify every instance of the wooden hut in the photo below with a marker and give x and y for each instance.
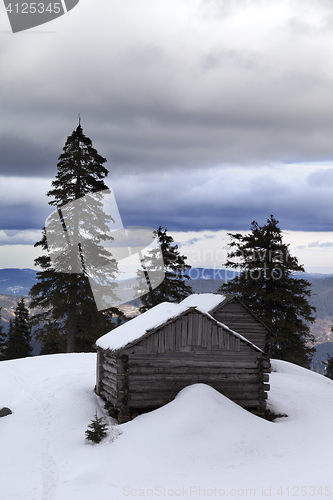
(144, 363)
(232, 312)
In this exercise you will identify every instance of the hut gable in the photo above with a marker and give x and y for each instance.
(188, 331)
(144, 363)
(232, 312)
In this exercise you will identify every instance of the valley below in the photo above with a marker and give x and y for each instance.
(17, 283)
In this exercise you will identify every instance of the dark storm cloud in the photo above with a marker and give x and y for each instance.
(196, 113)
(219, 198)
(22, 157)
(153, 102)
(23, 216)
(23, 204)
(226, 198)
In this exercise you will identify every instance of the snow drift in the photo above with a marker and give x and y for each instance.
(199, 445)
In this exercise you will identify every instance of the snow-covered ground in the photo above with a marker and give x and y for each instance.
(201, 445)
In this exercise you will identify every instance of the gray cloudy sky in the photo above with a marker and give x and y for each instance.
(211, 113)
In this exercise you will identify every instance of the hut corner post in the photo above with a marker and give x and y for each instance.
(124, 413)
(99, 372)
(264, 387)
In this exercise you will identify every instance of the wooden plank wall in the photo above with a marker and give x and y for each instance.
(236, 317)
(192, 329)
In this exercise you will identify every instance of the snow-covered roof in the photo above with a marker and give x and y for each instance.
(137, 327)
(204, 301)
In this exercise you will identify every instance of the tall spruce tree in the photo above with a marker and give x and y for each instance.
(18, 344)
(266, 284)
(174, 287)
(67, 318)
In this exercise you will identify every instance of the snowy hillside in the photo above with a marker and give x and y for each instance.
(200, 445)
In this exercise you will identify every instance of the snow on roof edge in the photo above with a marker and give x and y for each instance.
(135, 329)
(205, 301)
(124, 334)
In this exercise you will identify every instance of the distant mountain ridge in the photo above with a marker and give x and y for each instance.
(16, 281)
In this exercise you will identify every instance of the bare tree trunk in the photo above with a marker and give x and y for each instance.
(71, 329)
(72, 316)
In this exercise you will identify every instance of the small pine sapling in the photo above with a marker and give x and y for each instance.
(97, 430)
